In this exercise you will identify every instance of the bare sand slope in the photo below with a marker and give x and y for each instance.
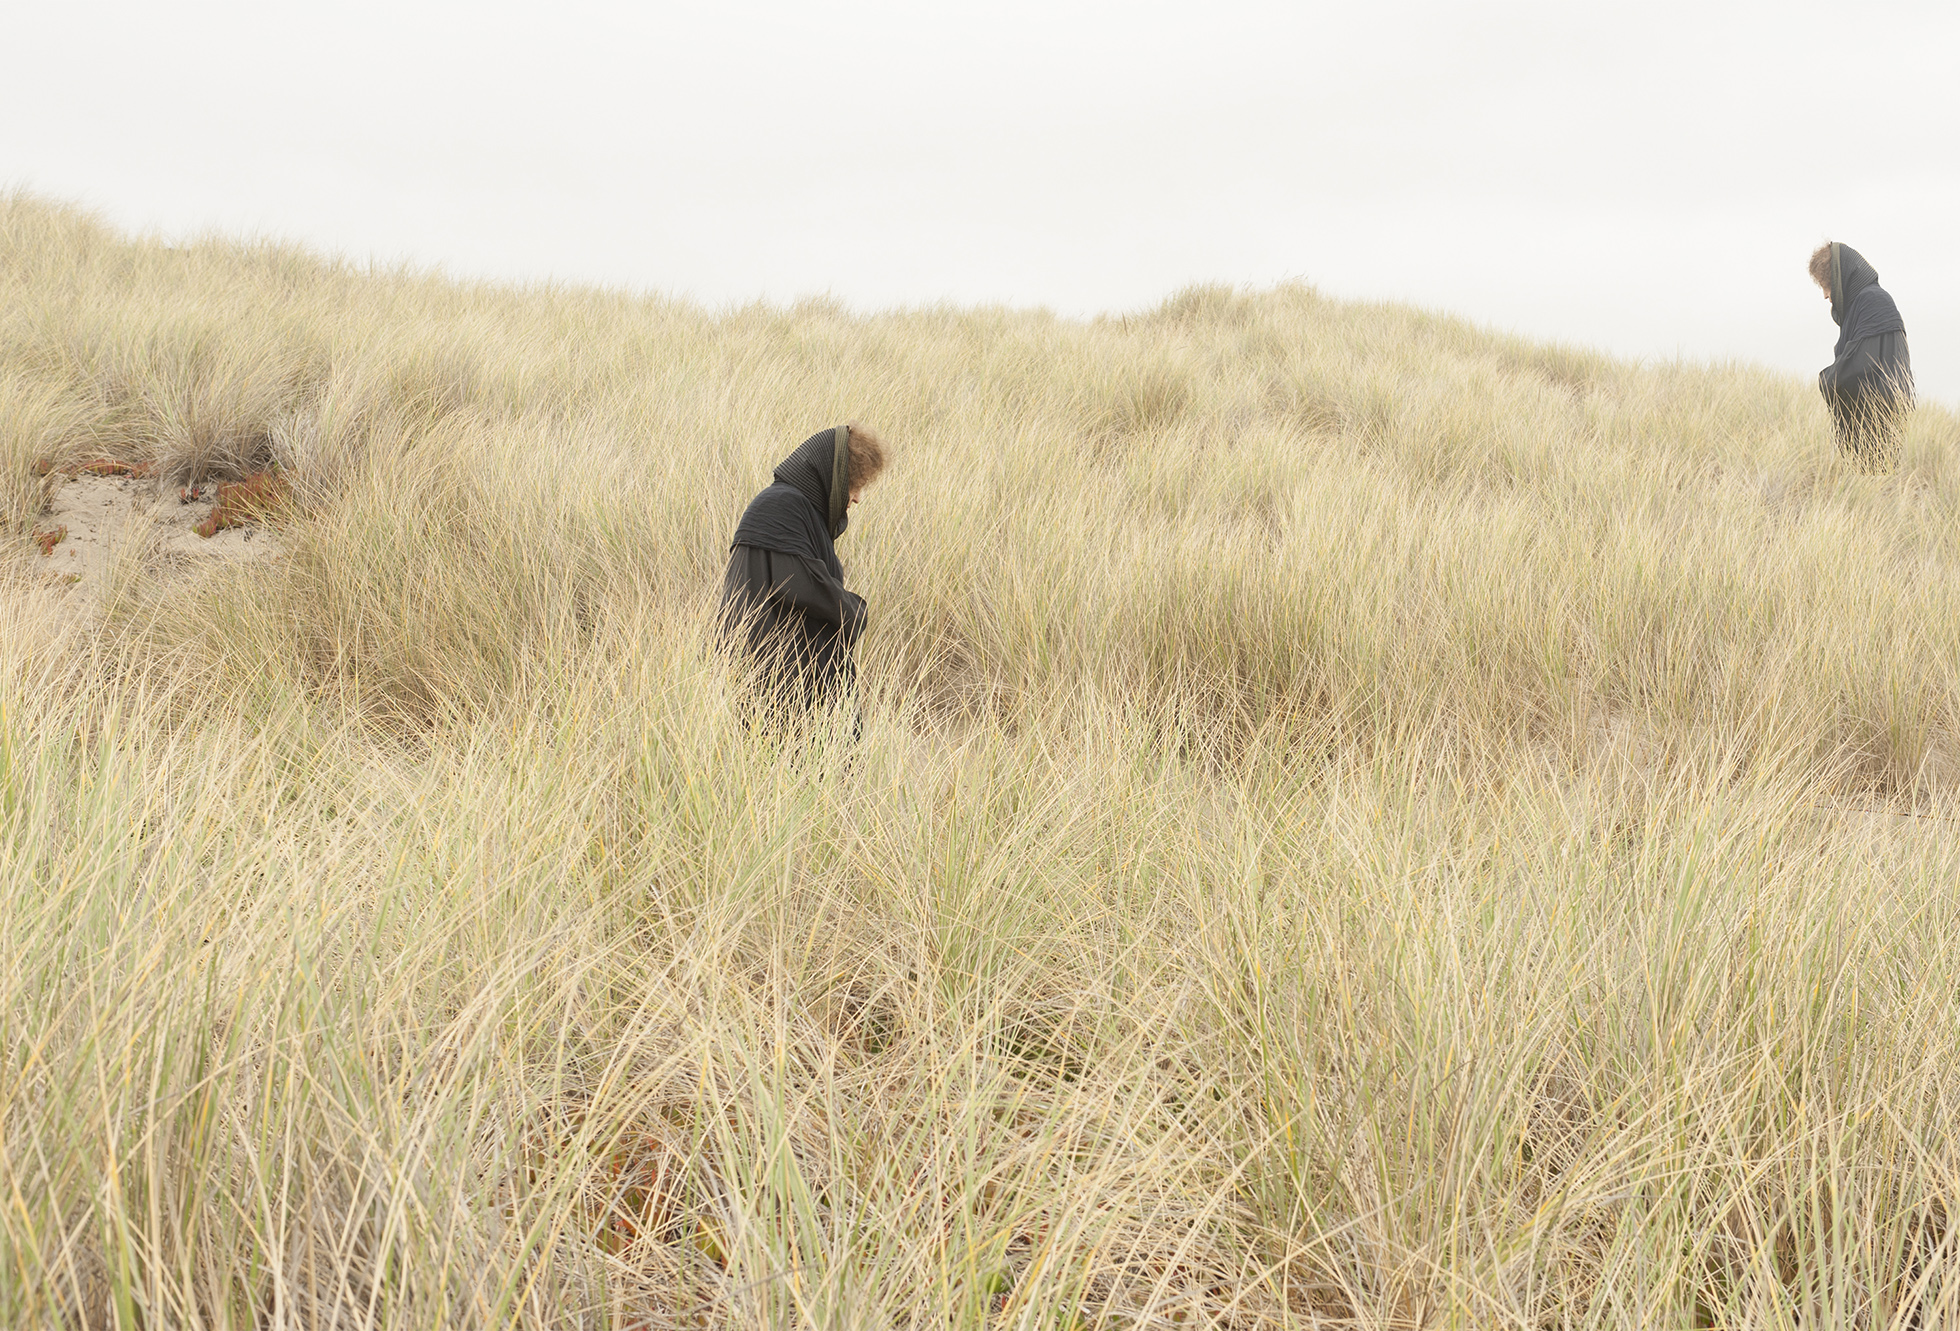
(130, 522)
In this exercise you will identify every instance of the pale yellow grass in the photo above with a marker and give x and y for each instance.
(1360, 821)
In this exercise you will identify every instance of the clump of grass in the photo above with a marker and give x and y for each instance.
(256, 498)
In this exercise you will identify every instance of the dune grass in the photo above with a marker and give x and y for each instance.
(1359, 821)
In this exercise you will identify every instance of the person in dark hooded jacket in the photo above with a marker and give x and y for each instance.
(1868, 387)
(783, 600)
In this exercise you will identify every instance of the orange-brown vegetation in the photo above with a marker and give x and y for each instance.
(644, 1196)
(46, 466)
(113, 467)
(253, 499)
(47, 538)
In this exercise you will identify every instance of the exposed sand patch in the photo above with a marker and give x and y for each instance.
(120, 525)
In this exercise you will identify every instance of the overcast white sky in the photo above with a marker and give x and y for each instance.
(1644, 177)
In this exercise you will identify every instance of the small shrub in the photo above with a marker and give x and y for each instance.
(49, 537)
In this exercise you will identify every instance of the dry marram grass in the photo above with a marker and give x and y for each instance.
(1360, 821)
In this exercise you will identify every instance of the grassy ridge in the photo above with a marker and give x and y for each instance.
(1359, 819)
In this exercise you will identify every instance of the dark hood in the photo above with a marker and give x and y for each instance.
(1860, 307)
(817, 470)
(804, 512)
(1850, 274)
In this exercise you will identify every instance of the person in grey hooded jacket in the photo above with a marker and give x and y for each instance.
(783, 601)
(1868, 386)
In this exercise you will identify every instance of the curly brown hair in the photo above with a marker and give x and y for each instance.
(1820, 266)
(865, 457)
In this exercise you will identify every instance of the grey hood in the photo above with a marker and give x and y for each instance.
(1859, 305)
(805, 510)
(819, 470)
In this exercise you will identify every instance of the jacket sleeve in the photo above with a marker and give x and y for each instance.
(768, 588)
(806, 586)
(1871, 367)
(1850, 374)
(1827, 378)
(1873, 362)
(833, 618)
(795, 612)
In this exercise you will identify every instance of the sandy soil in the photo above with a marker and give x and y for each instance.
(118, 523)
